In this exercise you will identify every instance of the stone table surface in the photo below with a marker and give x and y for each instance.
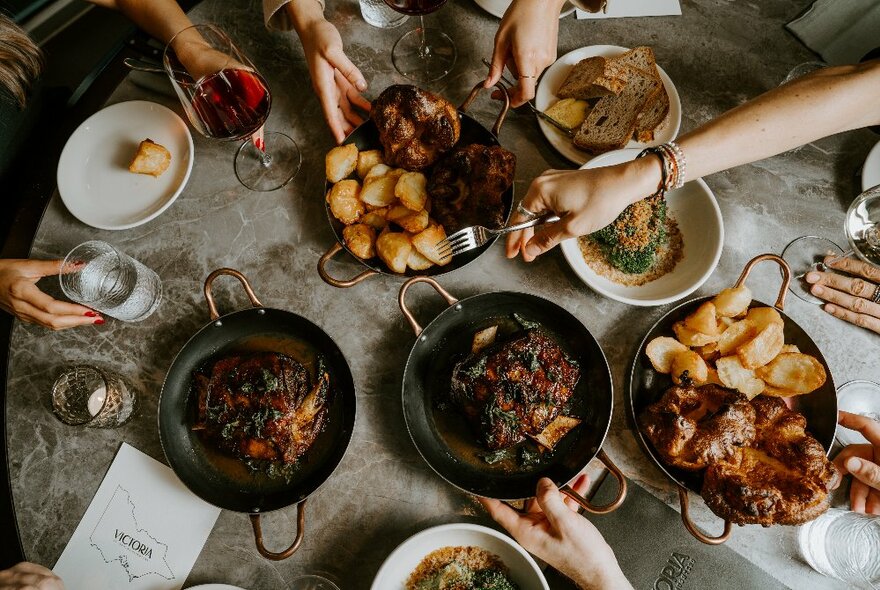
(719, 53)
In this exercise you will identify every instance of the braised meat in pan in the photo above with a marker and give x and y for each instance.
(262, 406)
(515, 388)
(467, 186)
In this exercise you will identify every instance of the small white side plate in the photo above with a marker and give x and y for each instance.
(554, 76)
(93, 177)
(497, 7)
(403, 560)
(871, 168)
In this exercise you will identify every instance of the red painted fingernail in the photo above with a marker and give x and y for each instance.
(99, 321)
(91, 314)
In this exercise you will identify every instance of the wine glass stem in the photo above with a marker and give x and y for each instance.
(823, 266)
(424, 50)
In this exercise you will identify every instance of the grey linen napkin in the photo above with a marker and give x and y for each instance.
(841, 31)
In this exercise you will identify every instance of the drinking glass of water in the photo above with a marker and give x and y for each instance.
(88, 396)
(844, 545)
(378, 14)
(97, 275)
(312, 583)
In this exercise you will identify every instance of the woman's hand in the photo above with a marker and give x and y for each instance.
(849, 296)
(20, 296)
(552, 529)
(586, 200)
(526, 43)
(335, 79)
(863, 463)
(29, 576)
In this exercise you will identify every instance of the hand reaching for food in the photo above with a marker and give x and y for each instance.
(29, 576)
(863, 463)
(20, 296)
(853, 297)
(552, 529)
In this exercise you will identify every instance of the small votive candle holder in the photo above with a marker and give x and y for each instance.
(84, 395)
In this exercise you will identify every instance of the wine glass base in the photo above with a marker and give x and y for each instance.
(257, 174)
(806, 254)
(424, 59)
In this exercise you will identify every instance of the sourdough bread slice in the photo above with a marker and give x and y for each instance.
(613, 120)
(593, 77)
(652, 117)
(641, 57)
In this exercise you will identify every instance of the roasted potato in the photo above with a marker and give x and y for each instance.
(360, 239)
(377, 171)
(763, 348)
(394, 248)
(415, 222)
(761, 316)
(483, 338)
(733, 374)
(555, 431)
(689, 337)
(689, 365)
(418, 262)
(426, 243)
(412, 190)
(735, 336)
(789, 348)
(375, 218)
(379, 192)
(733, 301)
(661, 350)
(703, 319)
(341, 161)
(344, 202)
(794, 372)
(708, 352)
(366, 160)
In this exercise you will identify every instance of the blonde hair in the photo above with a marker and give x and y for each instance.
(21, 61)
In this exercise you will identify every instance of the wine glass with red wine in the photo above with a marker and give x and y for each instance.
(226, 98)
(422, 55)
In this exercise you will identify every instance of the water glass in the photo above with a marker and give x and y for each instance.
(312, 583)
(844, 545)
(378, 14)
(100, 276)
(88, 396)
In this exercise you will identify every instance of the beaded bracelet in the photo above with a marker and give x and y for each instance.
(673, 165)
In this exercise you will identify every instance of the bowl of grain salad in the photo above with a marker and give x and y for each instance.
(459, 555)
(658, 251)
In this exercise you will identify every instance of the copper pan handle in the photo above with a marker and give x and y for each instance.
(401, 299)
(692, 528)
(611, 506)
(322, 270)
(496, 128)
(209, 295)
(786, 276)
(300, 529)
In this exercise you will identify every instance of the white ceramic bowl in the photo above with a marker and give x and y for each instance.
(702, 230)
(403, 560)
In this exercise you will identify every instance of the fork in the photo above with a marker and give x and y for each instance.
(541, 114)
(470, 238)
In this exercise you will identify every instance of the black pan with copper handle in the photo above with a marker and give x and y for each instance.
(366, 137)
(225, 481)
(441, 434)
(646, 386)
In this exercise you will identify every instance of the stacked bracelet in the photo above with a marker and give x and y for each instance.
(672, 163)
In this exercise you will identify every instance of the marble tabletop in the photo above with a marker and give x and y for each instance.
(719, 53)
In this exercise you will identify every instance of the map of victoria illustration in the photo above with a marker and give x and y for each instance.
(118, 538)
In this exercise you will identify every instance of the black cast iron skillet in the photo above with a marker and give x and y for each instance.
(647, 386)
(442, 436)
(366, 137)
(225, 481)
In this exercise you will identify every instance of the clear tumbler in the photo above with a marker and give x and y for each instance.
(378, 14)
(844, 545)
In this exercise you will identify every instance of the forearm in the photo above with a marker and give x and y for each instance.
(303, 15)
(161, 19)
(554, 7)
(612, 579)
(821, 104)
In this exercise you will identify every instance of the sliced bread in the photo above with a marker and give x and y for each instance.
(593, 77)
(613, 120)
(652, 117)
(641, 57)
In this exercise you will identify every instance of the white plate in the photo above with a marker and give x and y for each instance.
(554, 76)
(702, 231)
(93, 177)
(497, 7)
(871, 168)
(214, 587)
(403, 560)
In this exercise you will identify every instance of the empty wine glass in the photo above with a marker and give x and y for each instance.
(422, 55)
(862, 228)
(225, 97)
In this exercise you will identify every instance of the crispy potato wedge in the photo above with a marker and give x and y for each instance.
(777, 392)
(360, 239)
(483, 338)
(763, 348)
(661, 350)
(789, 348)
(344, 202)
(396, 211)
(379, 192)
(703, 319)
(736, 335)
(426, 243)
(415, 222)
(366, 160)
(795, 372)
(340, 162)
(377, 171)
(689, 365)
(689, 337)
(732, 302)
(418, 262)
(712, 377)
(708, 352)
(555, 431)
(375, 218)
(394, 248)
(412, 190)
(733, 374)
(761, 316)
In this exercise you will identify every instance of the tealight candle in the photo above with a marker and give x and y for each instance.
(96, 400)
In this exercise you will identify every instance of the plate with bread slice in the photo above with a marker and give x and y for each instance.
(604, 97)
(125, 165)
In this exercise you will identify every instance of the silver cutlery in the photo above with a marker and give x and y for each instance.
(470, 238)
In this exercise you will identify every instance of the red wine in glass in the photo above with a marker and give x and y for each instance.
(415, 7)
(232, 103)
